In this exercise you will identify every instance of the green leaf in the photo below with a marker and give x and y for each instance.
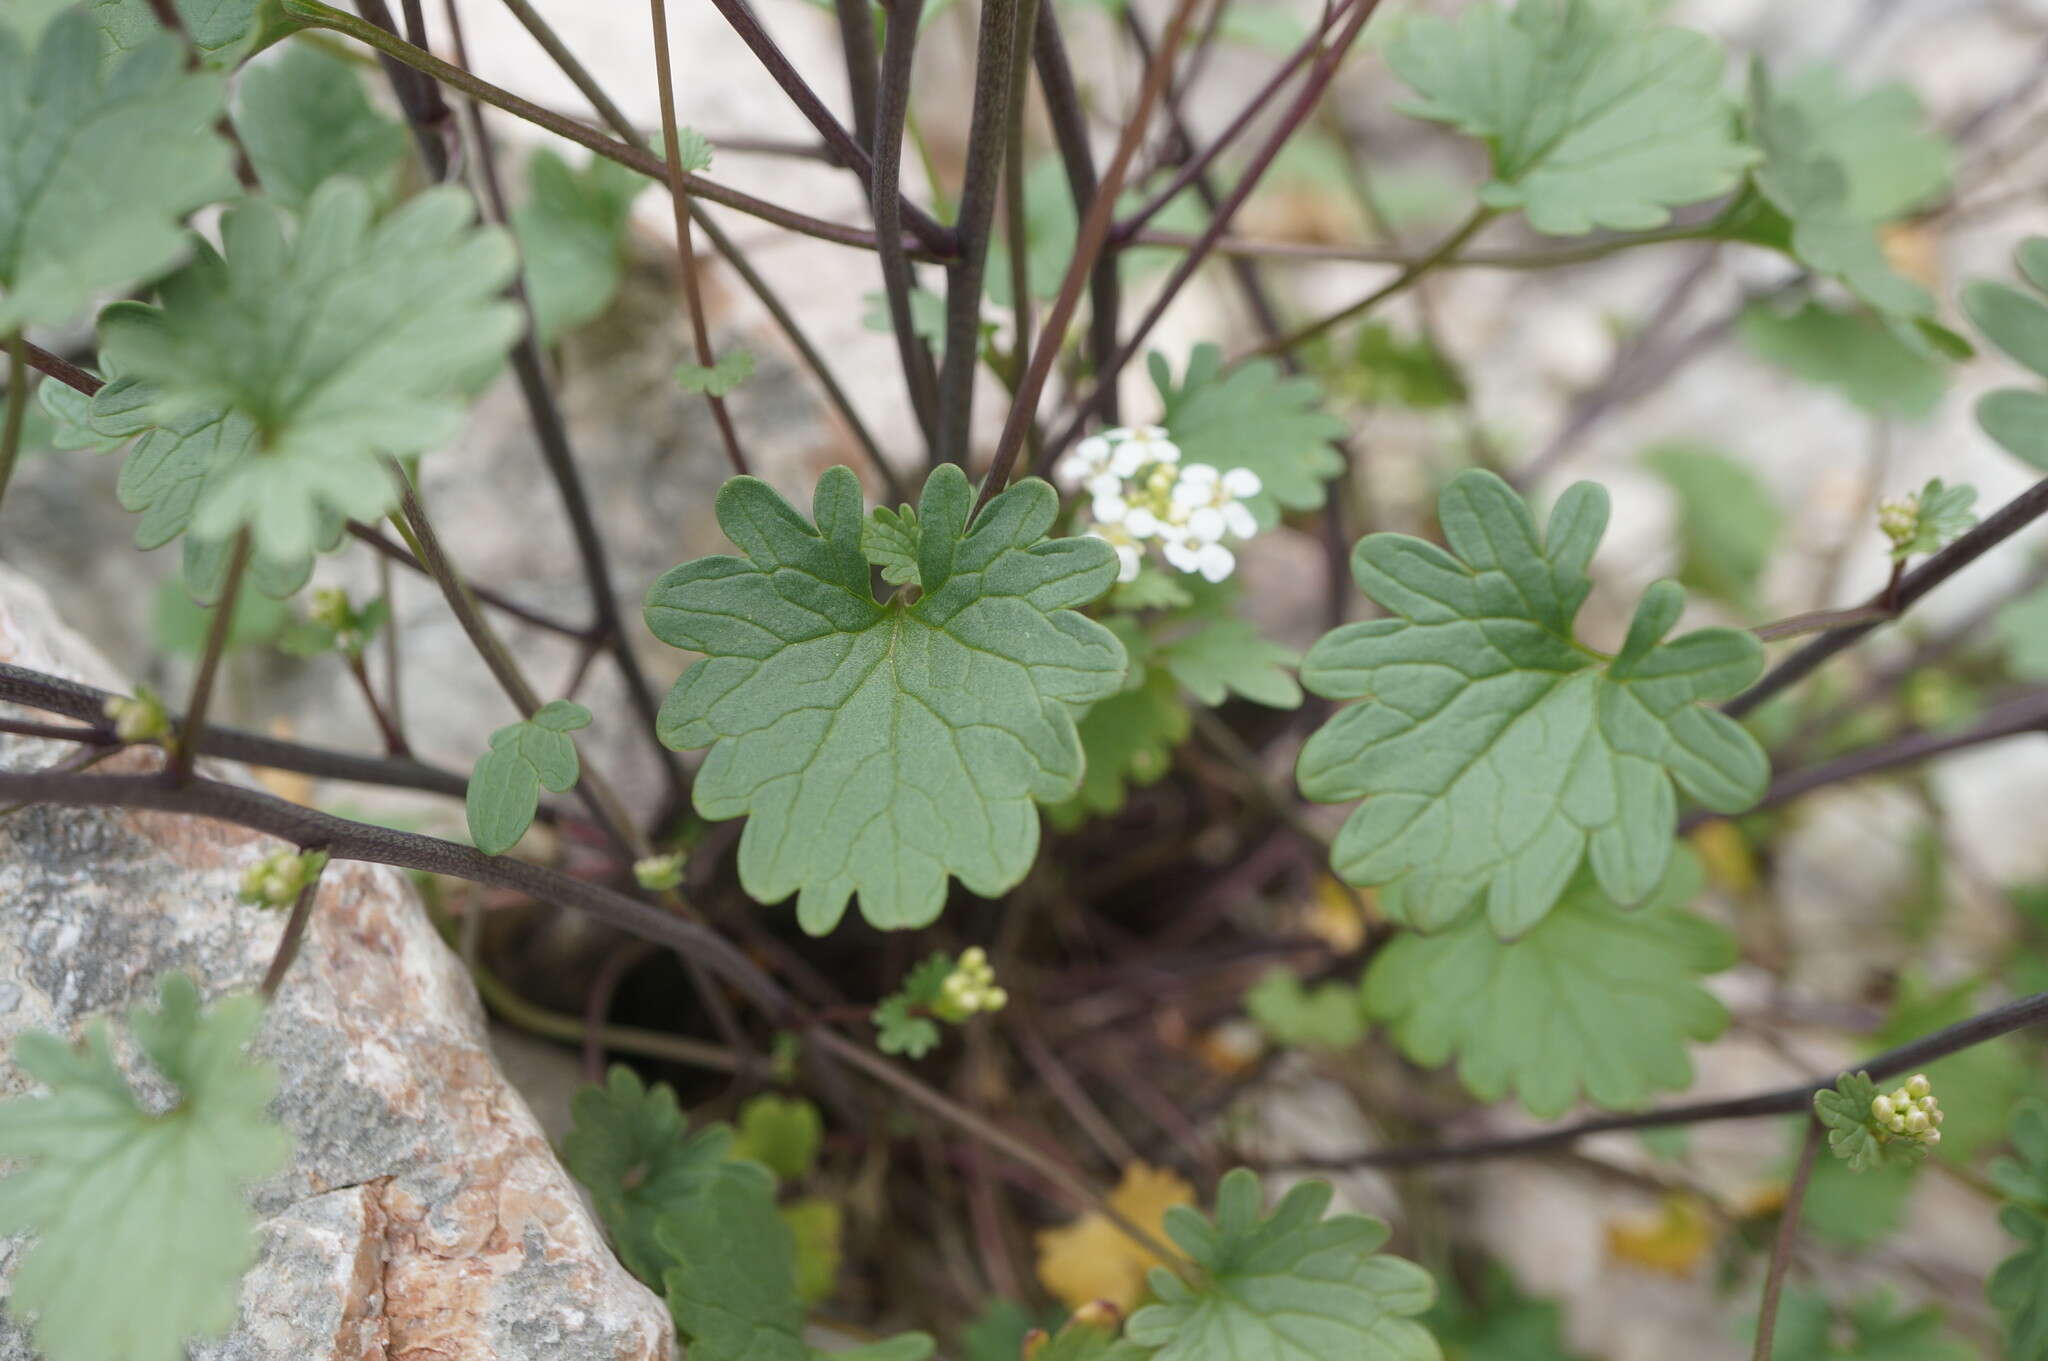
(879, 748)
(2025, 1178)
(1497, 1323)
(1808, 1331)
(2018, 1289)
(897, 1031)
(1327, 1017)
(889, 541)
(1228, 655)
(142, 1233)
(1728, 520)
(732, 368)
(694, 150)
(1595, 1001)
(782, 1134)
(572, 238)
(1290, 1286)
(304, 118)
(388, 321)
(70, 413)
(1853, 1133)
(2018, 324)
(100, 167)
(1478, 687)
(1595, 115)
(1129, 739)
(1930, 520)
(1865, 362)
(1252, 417)
(815, 1226)
(1836, 166)
(221, 31)
(1854, 1209)
(505, 785)
(182, 624)
(731, 1281)
(630, 1150)
(1386, 370)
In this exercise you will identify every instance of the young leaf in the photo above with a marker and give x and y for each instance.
(2018, 1289)
(2025, 1178)
(1594, 1001)
(1129, 739)
(1290, 1286)
(630, 1150)
(1478, 687)
(525, 757)
(304, 118)
(1929, 520)
(732, 368)
(899, 1031)
(1728, 520)
(572, 238)
(1835, 167)
(389, 320)
(1252, 417)
(1853, 1132)
(1865, 362)
(879, 748)
(782, 1134)
(889, 541)
(1596, 115)
(100, 167)
(142, 1234)
(1229, 655)
(1329, 1017)
(2016, 322)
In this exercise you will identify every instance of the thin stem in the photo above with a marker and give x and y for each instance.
(17, 408)
(922, 225)
(1197, 166)
(418, 99)
(1993, 530)
(388, 730)
(1781, 1250)
(1445, 249)
(509, 1007)
(394, 689)
(57, 695)
(346, 840)
(618, 122)
(1792, 1100)
(1070, 134)
(1819, 621)
(185, 750)
(679, 199)
(404, 557)
(2014, 718)
(633, 157)
(892, 111)
(987, 138)
(294, 933)
(857, 39)
(1297, 113)
(1308, 252)
(61, 369)
(1088, 244)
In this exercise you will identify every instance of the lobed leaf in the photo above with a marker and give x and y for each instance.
(305, 118)
(1495, 752)
(879, 749)
(1252, 417)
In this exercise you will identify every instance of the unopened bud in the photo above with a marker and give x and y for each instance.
(1917, 1122)
(1882, 1109)
(659, 873)
(1918, 1086)
(140, 719)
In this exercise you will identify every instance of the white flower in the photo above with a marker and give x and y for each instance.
(1206, 524)
(1109, 510)
(1242, 482)
(1142, 523)
(1128, 561)
(1101, 485)
(1089, 458)
(1183, 555)
(1215, 562)
(1239, 520)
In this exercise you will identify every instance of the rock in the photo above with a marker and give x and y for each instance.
(423, 1216)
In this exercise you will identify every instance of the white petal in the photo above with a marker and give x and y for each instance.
(1217, 562)
(1105, 484)
(1109, 510)
(1128, 458)
(1238, 518)
(1166, 451)
(1149, 431)
(1094, 449)
(1206, 524)
(1200, 475)
(1128, 560)
(1142, 523)
(1242, 482)
(1187, 559)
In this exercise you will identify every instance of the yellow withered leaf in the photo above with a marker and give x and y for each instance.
(1092, 1259)
(1671, 1242)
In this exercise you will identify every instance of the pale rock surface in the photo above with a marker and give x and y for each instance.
(423, 1216)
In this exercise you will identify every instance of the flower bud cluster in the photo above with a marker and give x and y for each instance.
(1908, 1112)
(278, 878)
(141, 719)
(659, 873)
(1898, 520)
(970, 989)
(1141, 493)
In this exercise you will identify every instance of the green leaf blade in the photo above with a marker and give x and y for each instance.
(879, 750)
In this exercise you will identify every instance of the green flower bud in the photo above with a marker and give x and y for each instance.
(141, 719)
(1918, 1086)
(659, 873)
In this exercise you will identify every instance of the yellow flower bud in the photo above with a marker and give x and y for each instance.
(1918, 1086)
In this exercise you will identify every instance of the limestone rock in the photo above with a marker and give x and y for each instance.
(423, 1216)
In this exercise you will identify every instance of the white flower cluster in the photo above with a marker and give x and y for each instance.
(1910, 1111)
(1141, 493)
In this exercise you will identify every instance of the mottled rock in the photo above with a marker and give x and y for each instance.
(423, 1216)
